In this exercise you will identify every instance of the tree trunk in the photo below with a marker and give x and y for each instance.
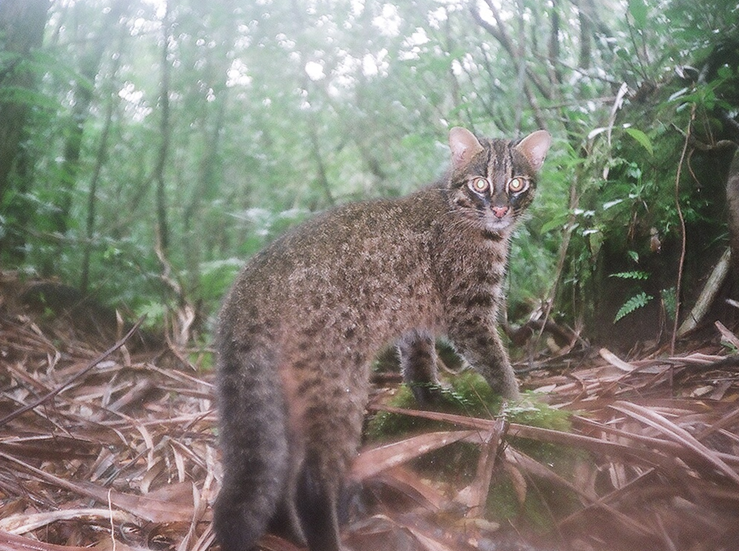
(100, 158)
(83, 96)
(732, 200)
(555, 76)
(162, 226)
(208, 184)
(21, 32)
(585, 19)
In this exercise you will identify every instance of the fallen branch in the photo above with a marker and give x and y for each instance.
(708, 294)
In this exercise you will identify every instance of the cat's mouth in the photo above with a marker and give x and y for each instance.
(493, 222)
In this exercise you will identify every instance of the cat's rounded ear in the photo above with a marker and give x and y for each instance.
(464, 146)
(535, 147)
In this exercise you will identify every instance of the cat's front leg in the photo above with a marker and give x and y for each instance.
(417, 351)
(481, 346)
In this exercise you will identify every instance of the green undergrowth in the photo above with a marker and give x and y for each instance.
(523, 499)
(465, 394)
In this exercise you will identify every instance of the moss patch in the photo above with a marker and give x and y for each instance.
(468, 394)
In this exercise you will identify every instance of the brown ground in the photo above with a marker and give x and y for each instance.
(108, 443)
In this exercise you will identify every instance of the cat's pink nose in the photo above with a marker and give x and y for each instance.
(500, 212)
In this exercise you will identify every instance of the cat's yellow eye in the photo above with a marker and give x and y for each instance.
(517, 185)
(479, 185)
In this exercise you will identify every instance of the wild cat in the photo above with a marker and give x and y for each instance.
(306, 316)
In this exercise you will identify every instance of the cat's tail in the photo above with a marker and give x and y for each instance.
(253, 437)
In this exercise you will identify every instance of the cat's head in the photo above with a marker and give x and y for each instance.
(493, 181)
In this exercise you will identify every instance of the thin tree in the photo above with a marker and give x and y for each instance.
(22, 25)
(91, 59)
(100, 159)
(209, 169)
(162, 227)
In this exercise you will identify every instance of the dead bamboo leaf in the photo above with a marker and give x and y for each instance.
(428, 542)
(535, 468)
(73, 379)
(11, 542)
(696, 358)
(375, 460)
(179, 462)
(197, 512)
(726, 421)
(143, 507)
(597, 445)
(678, 434)
(205, 541)
(23, 523)
(461, 420)
(518, 481)
(475, 495)
(615, 361)
(152, 472)
(413, 486)
(650, 486)
(727, 335)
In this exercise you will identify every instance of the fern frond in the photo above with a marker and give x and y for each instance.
(634, 303)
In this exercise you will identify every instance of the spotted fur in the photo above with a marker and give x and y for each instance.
(302, 323)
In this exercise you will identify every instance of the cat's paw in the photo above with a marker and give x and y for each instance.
(428, 395)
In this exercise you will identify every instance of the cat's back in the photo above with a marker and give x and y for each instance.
(361, 271)
(369, 240)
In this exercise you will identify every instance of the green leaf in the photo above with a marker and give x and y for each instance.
(623, 53)
(725, 72)
(639, 11)
(613, 203)
(556, 222)
(680, 94)
(670, 301)
(642, 138)
(631, 275)
(634, 303)
(24, 96)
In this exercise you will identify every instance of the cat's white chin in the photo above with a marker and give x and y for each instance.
(493, 224)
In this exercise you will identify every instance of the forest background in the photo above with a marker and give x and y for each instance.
(149, 147)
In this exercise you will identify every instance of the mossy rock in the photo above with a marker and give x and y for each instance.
(468, 394)
(464, 394)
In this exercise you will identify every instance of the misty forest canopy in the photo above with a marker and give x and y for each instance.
(148, 147)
